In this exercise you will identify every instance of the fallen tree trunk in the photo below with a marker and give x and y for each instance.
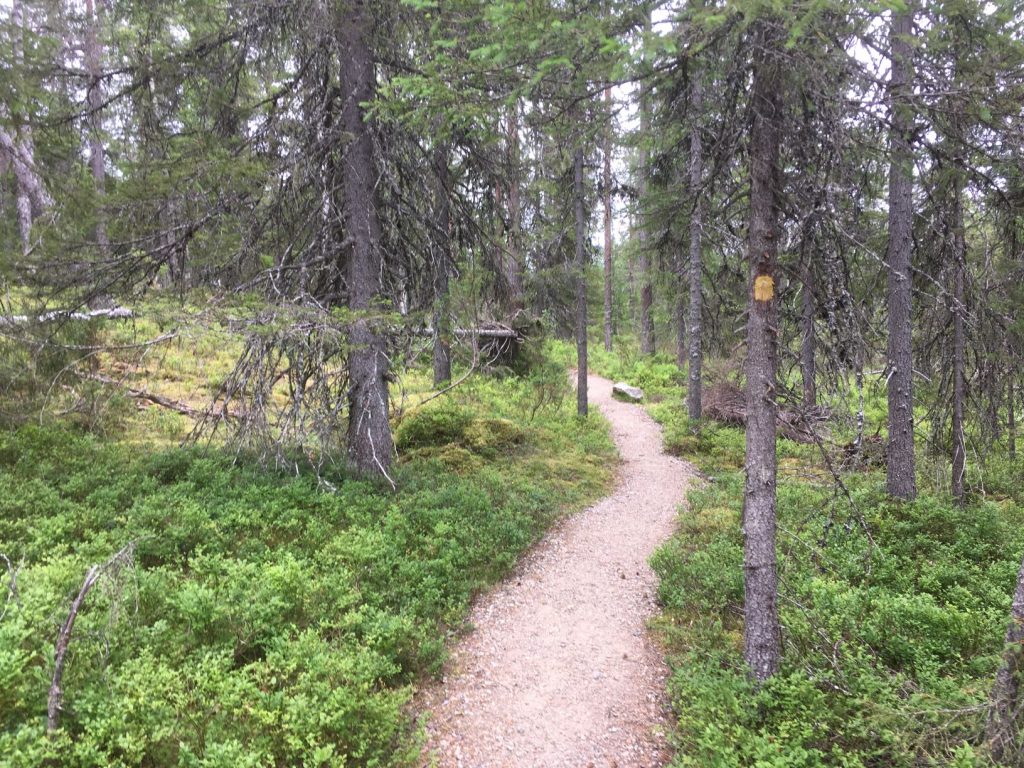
(115, 313)
(152, 397)
(496, 342)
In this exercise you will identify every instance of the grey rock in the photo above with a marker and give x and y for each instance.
(625, 391)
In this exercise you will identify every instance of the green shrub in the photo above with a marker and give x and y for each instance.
(265, 622)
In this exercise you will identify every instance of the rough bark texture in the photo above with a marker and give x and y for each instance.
(1004, 713)
(808, 367)
(31, 197)
(762, 638)
(94, 100)
(29, 183)
(959, 439)
(442, 264)
(581, 285)
(696, 355)
(607, 185)
(900, 480)
(370, 445)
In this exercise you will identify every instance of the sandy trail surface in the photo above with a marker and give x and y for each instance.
(560, 669)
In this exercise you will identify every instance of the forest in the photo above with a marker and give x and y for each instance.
(309, 316)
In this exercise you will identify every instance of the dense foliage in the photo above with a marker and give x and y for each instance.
(266, 620)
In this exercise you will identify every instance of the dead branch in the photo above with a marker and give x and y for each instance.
(53, 704)
(726, 403)
(12, 583)
(144, 394)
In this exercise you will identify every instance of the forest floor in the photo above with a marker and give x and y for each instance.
(560, 668)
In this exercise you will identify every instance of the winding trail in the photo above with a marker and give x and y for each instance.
(559, 669)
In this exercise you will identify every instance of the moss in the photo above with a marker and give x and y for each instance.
(489, 437)
(432, 426)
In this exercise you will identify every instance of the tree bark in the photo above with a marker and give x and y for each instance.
(370, 445)
(29, 183)
(900, 479)
(647, 344)
(442, 265)
(31, 197)
(762, 635)
(959, 469)
(581, 285)
(696, 355)
(1004, 701)
(94, 101)
(608, 224)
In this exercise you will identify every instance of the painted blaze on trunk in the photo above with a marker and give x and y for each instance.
(370, 445)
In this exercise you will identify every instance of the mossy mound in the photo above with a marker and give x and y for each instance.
(448, 427)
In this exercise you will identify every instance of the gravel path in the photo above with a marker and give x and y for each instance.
(559, 669)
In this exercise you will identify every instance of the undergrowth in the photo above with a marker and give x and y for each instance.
(893, 613)
(267, 620)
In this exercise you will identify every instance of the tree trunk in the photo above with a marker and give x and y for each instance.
(94, 101)
(442, 265)
(608, 224)
(646, 299)
(647, 344)
(511, 259)
(581, 285)
(900, 480)
(1004, 701)
(696, 356)
(29, 190)
(762, 635)
(631, 289)
(807, 341)
(1011, 417)
(370, 445)
(959, 267)
(646, 295)
(29, 183)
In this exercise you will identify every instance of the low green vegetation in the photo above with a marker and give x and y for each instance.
(267, 619)
(893, 613)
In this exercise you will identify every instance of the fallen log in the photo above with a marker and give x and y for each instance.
(495, 342)
(114, 313)
(152, 397)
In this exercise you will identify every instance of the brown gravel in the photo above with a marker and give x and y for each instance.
(560, 669)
